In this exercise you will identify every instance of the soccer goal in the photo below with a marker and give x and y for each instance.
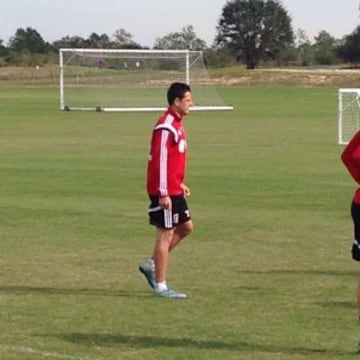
(132, 80)
(349, 114)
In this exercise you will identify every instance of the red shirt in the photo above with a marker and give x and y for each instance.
(351, 159)
(167, 157)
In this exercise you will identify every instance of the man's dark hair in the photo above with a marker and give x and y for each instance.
(177, 90)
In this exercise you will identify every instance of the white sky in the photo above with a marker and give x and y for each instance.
(147, 20)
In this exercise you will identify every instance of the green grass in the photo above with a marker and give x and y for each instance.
(267, 269)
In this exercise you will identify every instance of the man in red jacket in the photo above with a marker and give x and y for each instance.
(351, 159)
(168, 209)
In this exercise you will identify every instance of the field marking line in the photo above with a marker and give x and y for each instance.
(31, 350)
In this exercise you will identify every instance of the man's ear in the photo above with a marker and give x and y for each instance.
(177, 101)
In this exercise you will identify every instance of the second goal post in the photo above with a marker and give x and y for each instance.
(348, 114)
(132, 80)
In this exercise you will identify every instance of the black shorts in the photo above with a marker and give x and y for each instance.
(355, 214)
(168, 218)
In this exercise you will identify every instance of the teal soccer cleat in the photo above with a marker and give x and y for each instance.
(170, 294)
(147, 268)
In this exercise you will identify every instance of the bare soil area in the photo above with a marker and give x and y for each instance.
(49, 75)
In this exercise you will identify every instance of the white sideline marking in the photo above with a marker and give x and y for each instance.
(30, 350)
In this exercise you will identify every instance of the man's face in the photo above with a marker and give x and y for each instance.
(183, 105)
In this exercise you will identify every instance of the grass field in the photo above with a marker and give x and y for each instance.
(267, 269)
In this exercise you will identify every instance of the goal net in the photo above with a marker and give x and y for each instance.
(349, 114)
(132, 80)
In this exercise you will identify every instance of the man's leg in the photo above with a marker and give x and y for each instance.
(166, 240)
(358, 297)
(358, 306)
(161, 253)
(181, 231)
(161, 259)
(355, 214)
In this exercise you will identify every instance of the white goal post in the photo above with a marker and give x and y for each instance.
(348, 114)
(132, 80)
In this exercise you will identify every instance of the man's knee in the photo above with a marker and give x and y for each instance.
(187, 227)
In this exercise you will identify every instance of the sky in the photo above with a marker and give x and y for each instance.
(147, 20)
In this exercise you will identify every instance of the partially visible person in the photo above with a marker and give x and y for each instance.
(351, 159)
(168, 210)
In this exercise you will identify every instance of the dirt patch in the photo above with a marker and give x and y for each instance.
(294, 77)
(49, 75)
(46, 75)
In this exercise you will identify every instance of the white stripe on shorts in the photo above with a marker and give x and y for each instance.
(154, 209)
(168, 218)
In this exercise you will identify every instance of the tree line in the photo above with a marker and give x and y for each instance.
(252, 32)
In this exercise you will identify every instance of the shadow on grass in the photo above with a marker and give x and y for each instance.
(155, 341)
(27, 290)
(336, 304)
(302, 272)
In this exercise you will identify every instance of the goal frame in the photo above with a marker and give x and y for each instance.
(186, 54)
(341, 91)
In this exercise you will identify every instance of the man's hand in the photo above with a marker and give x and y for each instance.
(165, 202)
(185, 189)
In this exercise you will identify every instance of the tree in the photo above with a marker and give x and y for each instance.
(191, 40)
(349, 50)
(305, 50)
(3, 49)
(98, 41)
(255, 30)
(184, 40)
(124, 40)
(70, 42)
(325, 49)
(216, 57)
(28, 40)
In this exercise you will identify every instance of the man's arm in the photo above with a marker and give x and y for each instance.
(351, 157)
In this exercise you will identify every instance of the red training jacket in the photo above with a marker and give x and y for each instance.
(351, 159)
(167, 157)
